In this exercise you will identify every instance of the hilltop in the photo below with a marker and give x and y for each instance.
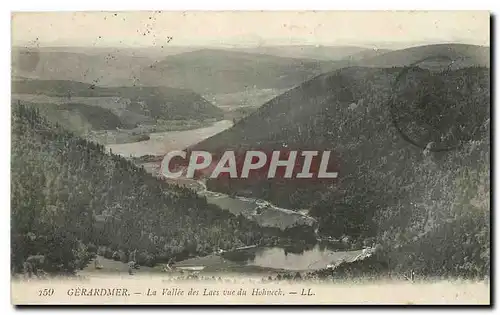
(105, 68)
(465, 55)
(223, 71)
(77, 117)
(132, 103)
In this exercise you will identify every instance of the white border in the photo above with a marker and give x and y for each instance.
(53, 5)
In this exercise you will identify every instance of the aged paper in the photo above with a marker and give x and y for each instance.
(315, 157)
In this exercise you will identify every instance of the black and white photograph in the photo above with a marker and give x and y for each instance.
(250, 157)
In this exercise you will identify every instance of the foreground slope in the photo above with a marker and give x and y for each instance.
(69, 196)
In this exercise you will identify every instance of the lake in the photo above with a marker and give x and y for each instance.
(316, 257)
(261, 211)
(162, 142)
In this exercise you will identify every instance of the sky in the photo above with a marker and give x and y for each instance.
(251, 28)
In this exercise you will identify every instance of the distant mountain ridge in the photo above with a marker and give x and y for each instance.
(104, 69)
(317, 52)
(464, 54)
(224, 71)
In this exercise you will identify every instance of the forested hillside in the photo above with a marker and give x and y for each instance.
(428, 204)
(348, 112)
(79, 118)
(70, 198)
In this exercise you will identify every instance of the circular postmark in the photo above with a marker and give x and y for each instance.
(438, 106)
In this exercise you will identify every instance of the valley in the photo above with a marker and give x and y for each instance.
(391, 194)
